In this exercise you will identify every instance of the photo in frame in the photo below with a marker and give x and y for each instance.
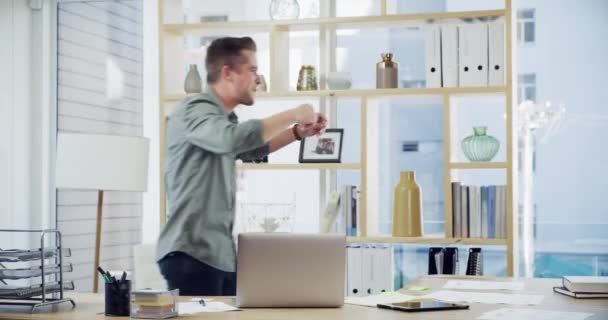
(324, 148)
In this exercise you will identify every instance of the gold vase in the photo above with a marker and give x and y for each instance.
(407, 214)
(307, 79)
(387, 72)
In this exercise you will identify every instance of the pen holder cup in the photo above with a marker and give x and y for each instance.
(118, 300)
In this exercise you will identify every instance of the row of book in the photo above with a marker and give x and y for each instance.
(479, 211)
(342, 212)
(350, 208)
(445, 261)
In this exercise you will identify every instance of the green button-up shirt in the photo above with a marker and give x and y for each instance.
(203, 141)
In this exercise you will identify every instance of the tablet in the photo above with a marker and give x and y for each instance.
(420, 306)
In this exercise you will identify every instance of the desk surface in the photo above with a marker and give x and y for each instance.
(90, 306)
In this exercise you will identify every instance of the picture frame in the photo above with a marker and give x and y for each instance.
(325, 148)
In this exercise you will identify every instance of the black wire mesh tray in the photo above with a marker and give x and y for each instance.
(13, 255)
(13, 292)
(24, 273)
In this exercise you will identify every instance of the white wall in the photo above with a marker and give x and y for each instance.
(26, 118)
(151, 114)
(100, 90)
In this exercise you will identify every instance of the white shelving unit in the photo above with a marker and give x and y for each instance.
(170, 39)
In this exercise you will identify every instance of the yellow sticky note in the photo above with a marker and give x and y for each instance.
(419, 288)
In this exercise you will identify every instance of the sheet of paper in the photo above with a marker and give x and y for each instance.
(211, 306)
(485, 297)
(373, 300)
(199, 299)
(483, 285)
(518, 314)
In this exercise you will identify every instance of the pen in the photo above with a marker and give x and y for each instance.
(111, 278)
(115, 283)
(123, 278)
(103, 274)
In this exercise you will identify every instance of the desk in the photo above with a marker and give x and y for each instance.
(88, 306)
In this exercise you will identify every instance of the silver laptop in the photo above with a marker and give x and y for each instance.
(290, 270)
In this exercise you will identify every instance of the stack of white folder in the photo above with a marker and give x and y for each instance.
(369, 270)
(465, 55)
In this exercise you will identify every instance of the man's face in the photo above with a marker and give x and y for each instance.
(246, 78)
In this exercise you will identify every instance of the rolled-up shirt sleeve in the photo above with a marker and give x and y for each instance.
(208, 128)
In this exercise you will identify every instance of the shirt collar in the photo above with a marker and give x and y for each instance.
(218, 102)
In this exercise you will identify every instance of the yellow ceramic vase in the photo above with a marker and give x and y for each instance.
(407, 215)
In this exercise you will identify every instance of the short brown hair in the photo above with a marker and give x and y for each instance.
(225, 51)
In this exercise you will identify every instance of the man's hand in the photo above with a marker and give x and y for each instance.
(305, 114)
(307, 130)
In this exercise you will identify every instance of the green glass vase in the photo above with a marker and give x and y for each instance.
(407, 214)
(480, 146)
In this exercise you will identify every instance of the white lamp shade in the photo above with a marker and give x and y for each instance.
(101, 162)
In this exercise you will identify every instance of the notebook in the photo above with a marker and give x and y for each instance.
(586, 284)
(580, 295)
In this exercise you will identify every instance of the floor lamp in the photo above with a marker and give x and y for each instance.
(101, 163)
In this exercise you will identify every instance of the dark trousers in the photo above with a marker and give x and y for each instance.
(194, 278)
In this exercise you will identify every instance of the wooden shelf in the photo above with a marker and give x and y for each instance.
(365, 93)
(478, 165)
(424, 240)
(278, 33)
(315, 24)
(299, 166)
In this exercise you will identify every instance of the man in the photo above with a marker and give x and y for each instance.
(196, 252)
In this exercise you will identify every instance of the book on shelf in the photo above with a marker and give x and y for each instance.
(581, 295)
(349, 210)
(457, 217)
(501, 212)
(355, 211)
(484, 211)
(474, 212)
(331, 212)
(475, 262)
(586, 284)
(491, 212)
(443, 260)
(479, 211)
(464, 211)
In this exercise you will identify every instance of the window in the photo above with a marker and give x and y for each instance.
(526, 87)
(526, 26)
(206, 41)
(570, 225)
